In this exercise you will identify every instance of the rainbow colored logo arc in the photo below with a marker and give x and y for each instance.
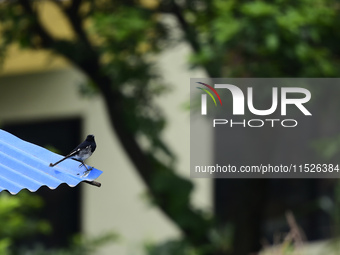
(209, 93)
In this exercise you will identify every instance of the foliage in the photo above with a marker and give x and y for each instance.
(20, 226)
(171, 247)
(266, 38)
(18, 221)
(79, 246)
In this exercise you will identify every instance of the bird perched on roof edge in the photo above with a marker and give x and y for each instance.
(82, 152)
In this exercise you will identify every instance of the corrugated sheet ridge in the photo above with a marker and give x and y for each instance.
(26, 166)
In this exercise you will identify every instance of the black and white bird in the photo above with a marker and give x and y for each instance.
(82, 152)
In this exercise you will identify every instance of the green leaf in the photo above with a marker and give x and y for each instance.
(259, 9)
(272, 42)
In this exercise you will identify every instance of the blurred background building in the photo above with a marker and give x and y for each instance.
(42, 100)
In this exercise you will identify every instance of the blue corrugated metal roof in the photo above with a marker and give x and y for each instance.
(24, 165)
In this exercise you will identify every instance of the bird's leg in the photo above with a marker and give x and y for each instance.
(82, 162)
(87, 169)
(86, 173)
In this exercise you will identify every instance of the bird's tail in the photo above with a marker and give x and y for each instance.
(56, 163)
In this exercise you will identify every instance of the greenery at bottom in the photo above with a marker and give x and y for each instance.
(20, 225)
(78, 246)
(220, 240)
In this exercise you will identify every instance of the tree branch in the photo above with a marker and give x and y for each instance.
(189, 33)
(191, 37)
(46, 39)
(72, 13)
(74, 7)
(58, 3)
